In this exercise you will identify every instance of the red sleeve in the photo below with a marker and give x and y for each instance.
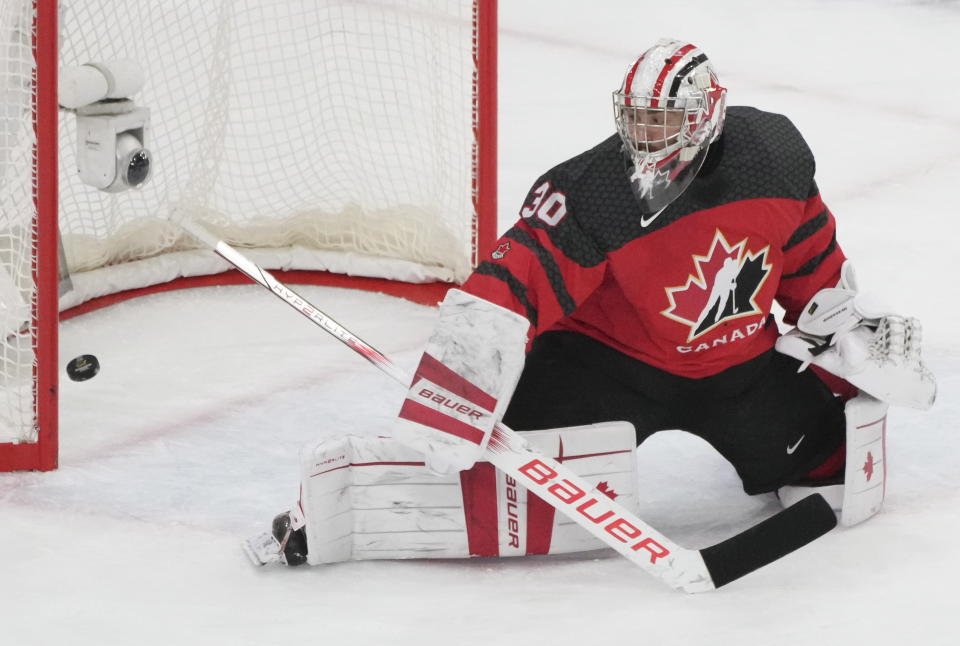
(812, 258)
(528, 271)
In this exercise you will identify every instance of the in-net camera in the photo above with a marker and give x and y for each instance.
(111, 129)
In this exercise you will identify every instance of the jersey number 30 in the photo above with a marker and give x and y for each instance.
(548, 206)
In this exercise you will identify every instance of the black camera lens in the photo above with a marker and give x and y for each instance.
(138, 169)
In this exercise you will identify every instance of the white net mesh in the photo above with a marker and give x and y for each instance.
(341, 126)
(16, 222)
(321, 135)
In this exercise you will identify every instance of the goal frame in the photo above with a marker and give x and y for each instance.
(43, 455)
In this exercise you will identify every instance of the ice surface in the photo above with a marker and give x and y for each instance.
(187, 439)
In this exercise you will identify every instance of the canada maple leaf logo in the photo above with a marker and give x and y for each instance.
(724, 287)
(868, 466)
(605, 489)
(501, 250)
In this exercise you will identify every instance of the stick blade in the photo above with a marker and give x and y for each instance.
(769, 540)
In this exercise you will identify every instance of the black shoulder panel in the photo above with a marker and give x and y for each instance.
(763, 155)
(576, 179)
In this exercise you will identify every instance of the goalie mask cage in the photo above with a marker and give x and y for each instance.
(346, 143)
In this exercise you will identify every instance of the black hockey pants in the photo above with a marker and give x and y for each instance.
(771, 423)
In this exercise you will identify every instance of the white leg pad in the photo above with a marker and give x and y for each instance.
(865, 477)
(365, 497)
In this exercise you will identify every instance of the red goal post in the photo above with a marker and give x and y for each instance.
(346, 143)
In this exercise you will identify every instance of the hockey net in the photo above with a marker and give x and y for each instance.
(351, 137)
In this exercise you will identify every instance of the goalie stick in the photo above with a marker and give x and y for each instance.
(685, 569)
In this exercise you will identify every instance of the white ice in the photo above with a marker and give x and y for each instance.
(187, 440)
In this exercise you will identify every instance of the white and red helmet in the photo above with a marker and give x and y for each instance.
(669, 109)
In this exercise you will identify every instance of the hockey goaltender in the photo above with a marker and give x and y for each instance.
(634, 294)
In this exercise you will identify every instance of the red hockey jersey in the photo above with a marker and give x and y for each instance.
(689, 290)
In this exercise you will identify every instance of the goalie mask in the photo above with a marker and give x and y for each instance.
(668, 110)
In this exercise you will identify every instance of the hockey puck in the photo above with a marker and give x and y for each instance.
(83, 367)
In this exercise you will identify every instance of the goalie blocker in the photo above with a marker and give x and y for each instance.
(368, 497)
(464, 381)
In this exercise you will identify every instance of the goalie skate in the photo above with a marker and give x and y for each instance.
(286, 543)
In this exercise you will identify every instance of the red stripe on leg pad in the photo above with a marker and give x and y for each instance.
(540, 515)
(479, 487)
(432, 369)
(417, 412)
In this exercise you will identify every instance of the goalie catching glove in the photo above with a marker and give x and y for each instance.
(463, 383)
(874, 350)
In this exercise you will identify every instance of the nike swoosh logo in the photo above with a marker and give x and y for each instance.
(791, 449)
(645, 222)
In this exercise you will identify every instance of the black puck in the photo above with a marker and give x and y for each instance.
(83, 367)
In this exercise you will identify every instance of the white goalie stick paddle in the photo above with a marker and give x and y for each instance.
(686, 569)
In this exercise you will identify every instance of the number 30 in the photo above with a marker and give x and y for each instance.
(549, 207)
